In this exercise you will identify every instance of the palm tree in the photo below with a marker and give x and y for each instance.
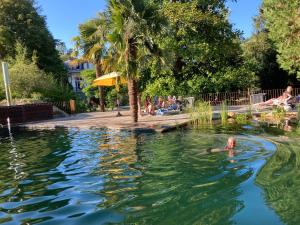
(133, 23)
(92, 42)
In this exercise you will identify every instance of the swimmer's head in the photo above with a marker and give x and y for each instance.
(231, 142)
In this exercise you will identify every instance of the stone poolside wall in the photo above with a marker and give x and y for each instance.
(25, 113)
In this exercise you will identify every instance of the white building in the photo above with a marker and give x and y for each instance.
(74, 67)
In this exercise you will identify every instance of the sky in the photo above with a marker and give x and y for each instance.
(64, 16)
(242, 13)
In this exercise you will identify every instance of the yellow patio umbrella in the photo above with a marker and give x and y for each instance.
(111, 79)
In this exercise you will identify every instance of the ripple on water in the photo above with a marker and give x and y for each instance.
(109, 176)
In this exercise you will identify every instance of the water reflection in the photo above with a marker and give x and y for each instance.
(26, 166)
(280, 179)
(110, 176)
(167, 178)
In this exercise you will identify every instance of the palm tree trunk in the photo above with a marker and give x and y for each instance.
(133, 99)
(100, 89)
(132, 80)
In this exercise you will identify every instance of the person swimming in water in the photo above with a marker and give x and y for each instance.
(231, 143)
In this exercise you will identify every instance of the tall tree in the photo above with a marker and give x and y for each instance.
(283, 23)
(261, 57)
(206, 49)
(133, 23)
(61, 47)
(21, 22)
(92, 41)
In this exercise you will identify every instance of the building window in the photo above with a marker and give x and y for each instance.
(77, 84)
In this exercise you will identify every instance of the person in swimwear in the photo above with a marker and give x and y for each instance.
(231, 143)
(281, 100)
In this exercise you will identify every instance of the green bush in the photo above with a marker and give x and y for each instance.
(111, 95)
(111, 98)
(226, 79)
(28, 81)
(81, 105)
(162, 87)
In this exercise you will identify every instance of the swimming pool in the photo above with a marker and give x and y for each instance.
(101, 176)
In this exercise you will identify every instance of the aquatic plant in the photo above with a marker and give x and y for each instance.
(241, 118)
(224, 112)
(202, 113)
(249, 112)
(278, 115)
(192, 113)
(263, 116)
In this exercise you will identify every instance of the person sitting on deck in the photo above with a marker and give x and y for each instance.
(171, 103)
(148, 106)
(160, 103)
(281, 100)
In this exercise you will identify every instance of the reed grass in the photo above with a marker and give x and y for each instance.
(224, 112)
(202, 113)
(249, 112)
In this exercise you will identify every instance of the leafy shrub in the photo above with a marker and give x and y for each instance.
(28, 81)
(111, 98)
(226, 79)
(162, 87)
(112, 94)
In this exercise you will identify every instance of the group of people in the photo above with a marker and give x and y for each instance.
(159, 103)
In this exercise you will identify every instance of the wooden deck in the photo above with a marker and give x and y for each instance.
(109, 120)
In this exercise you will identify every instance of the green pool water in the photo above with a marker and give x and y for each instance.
(110, 177)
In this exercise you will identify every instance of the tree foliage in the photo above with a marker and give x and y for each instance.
(260, 56)
(92, 43)
(181, 47)
(88, 89)
(21, 22)
(133, 26)
(29, 81)
(203, 50)
(283, 23)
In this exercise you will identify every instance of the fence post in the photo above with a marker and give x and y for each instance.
(249, 96)
(72, 106)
